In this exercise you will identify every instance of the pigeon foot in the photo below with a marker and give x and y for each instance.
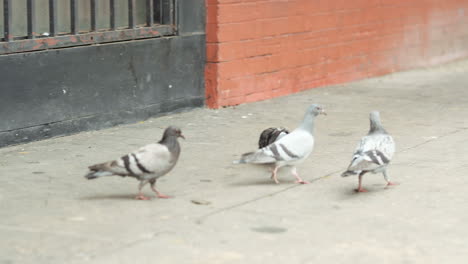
(302, 182)
(360, 190)
(142, 197)
(390, 184)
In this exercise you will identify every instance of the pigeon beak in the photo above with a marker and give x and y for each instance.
(323, 112)
(182, 136)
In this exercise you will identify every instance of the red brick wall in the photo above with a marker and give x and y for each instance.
(259, 49)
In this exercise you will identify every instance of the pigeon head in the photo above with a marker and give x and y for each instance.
(315, 110)
(173, 132)
(308, 121)
(374, 116)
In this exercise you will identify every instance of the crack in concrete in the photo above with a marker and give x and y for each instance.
(202, 218)
(433, 139)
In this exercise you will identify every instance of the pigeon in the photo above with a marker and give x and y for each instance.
(290, 149)
(270, 135)
(373, 153)
(146, 164)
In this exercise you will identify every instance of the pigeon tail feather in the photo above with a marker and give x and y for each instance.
(101, 169)
(97, 174)
(255, 157)
(348, 173)
(245, 158)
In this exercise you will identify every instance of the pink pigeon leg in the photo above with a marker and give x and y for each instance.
(273, 175)
(158, 194)
(298, 179)
(389, 183)
(360, 189)
(140, 195)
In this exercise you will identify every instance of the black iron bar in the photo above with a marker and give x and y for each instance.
(74, 17)
(93, 15)
(131, 13)
(161, 11)
(31, 9)
(7, 21)
(112, 14)
(53, 28)
(149, 13)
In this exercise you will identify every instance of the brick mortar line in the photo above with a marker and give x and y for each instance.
(337, 45)
(377, 22)
(323, 63)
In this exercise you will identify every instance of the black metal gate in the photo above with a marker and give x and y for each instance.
(28, 26)
(74, 65)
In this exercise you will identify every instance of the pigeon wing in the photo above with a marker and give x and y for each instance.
(289, 148)
(373, 151)
(150, 159)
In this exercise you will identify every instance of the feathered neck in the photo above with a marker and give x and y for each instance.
(168, 139)
(308, 123)
(376, 125)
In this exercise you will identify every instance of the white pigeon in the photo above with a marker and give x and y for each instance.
(373, 153)
(289, 150)
(146, 164)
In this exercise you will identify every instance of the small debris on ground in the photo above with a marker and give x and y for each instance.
(200, 202)
(206, 180)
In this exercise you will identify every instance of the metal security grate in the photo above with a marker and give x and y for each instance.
(30, 25)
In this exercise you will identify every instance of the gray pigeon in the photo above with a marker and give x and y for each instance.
(290, 149)
(270, 135)
(146, 164)
(373, 153)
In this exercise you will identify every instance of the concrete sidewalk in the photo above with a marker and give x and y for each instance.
(50, 214)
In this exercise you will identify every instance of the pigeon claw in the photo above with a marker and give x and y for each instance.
(142, 197)
(390, 184)
(302, 182)
(163, 196)
(360, 190)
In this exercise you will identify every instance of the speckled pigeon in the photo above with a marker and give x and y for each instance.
(373, 153)
(146, 164)
(290, 149)
(270, 135)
